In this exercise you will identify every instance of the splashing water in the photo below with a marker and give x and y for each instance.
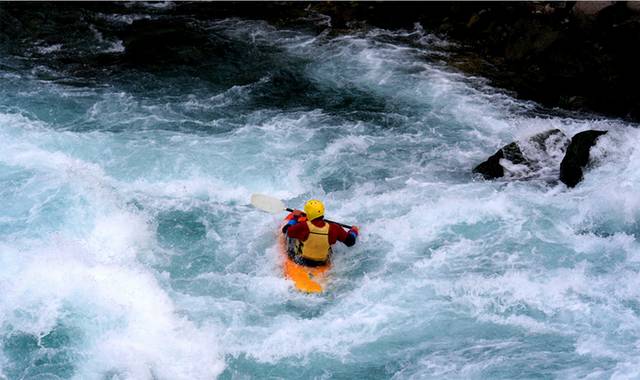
(128, 249)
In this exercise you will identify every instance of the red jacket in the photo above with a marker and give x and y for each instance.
(300, 231)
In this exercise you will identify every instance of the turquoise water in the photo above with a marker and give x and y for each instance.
(129, 249)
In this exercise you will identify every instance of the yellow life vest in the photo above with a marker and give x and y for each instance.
(317, 246)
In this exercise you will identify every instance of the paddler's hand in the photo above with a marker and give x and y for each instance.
(294, 215)
(289, 224)
(293, 219)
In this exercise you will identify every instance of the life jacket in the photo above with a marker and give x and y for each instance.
(316, 247)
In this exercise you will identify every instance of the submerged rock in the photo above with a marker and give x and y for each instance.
(525, 158)
(577, 156)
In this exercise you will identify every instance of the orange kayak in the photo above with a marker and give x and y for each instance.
(305, 279)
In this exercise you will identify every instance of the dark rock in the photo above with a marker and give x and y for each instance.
(577, 156)
(633, 6)
(513, 153)
(157, 42)
(591, 8)
(549, 140)
(491, 168)
(532, 38)
(535, 153)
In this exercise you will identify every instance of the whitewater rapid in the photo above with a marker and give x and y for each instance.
(129, 249)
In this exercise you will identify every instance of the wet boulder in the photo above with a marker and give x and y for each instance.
(522, 159)
(577, 156)
(491, 168)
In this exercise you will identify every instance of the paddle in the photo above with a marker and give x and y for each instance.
(274, 205)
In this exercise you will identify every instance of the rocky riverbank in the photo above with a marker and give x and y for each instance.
(571, 55)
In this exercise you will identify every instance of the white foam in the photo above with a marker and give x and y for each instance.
(49, 49)
(208, 189)
(115, 47)
(355, 144)
(355, 322)
(88, 276)
(125, 18)
(128, 324)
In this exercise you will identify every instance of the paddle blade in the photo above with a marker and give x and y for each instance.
(267, 203)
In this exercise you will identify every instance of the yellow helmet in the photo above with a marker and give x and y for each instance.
(314, 209)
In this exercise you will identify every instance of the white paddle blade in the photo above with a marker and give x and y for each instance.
(267, 203)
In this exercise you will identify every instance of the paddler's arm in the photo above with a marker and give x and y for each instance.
(347, 237)
(296, 229)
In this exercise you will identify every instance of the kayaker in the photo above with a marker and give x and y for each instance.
(313, 237)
